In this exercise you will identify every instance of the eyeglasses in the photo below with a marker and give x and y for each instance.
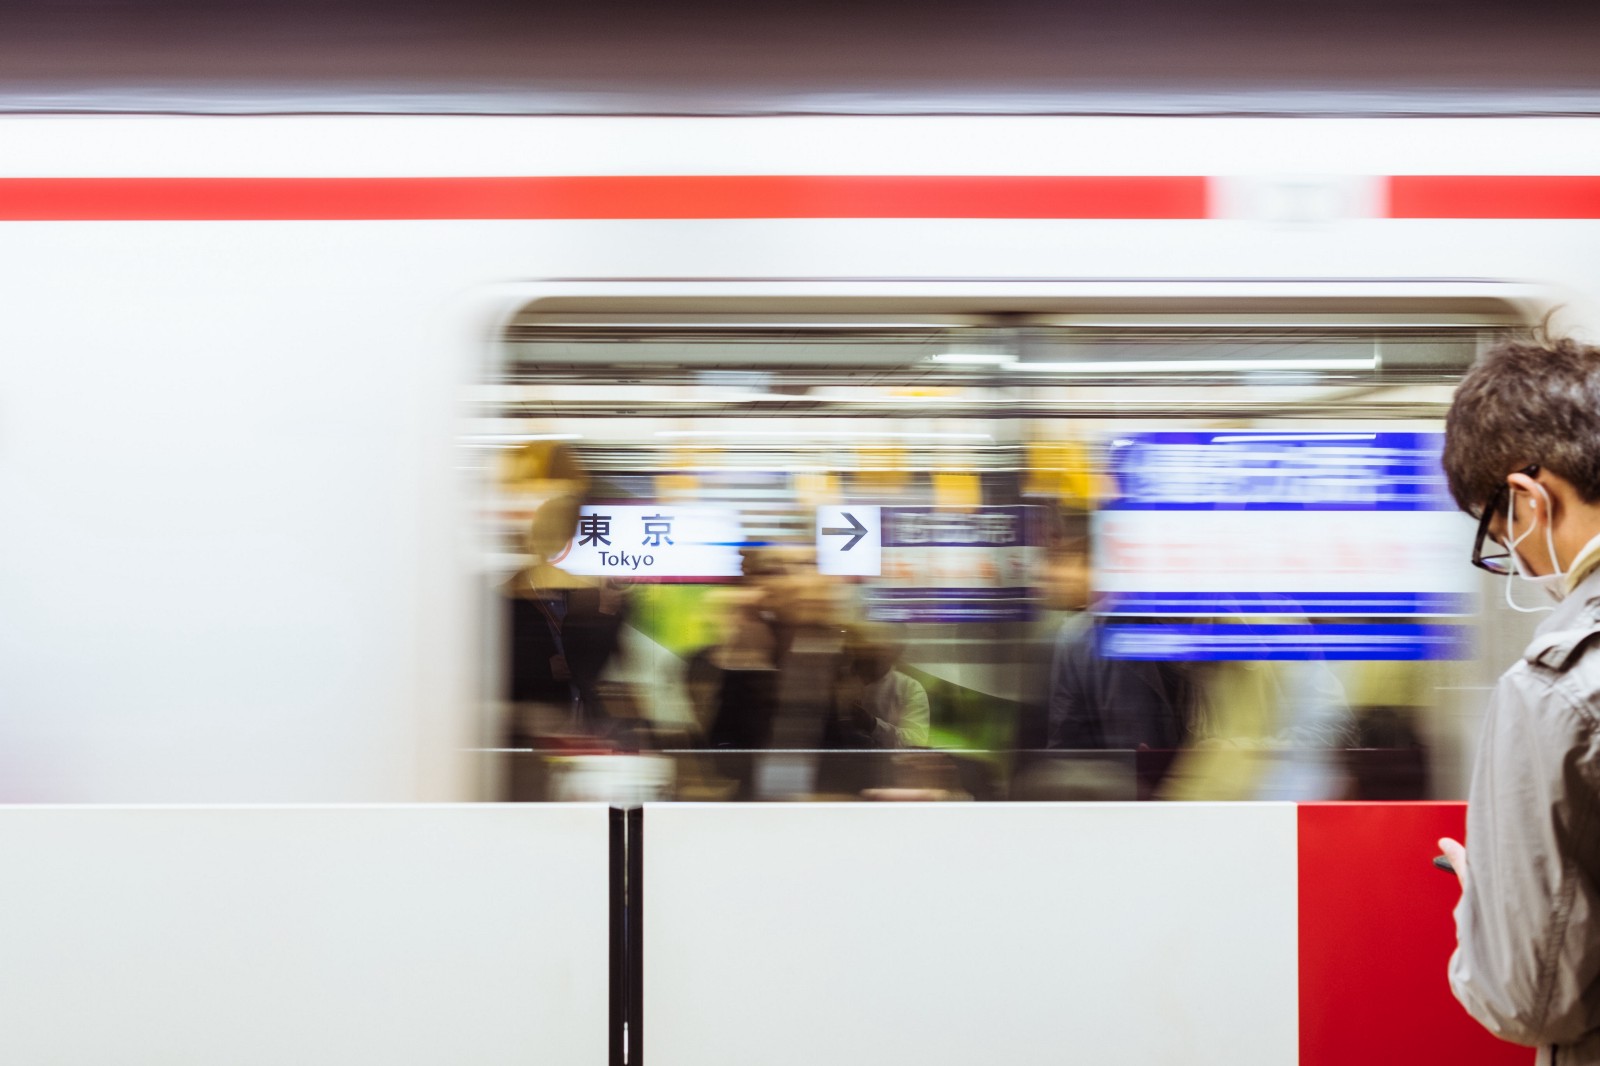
(1500, 562)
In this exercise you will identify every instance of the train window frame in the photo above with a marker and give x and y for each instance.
(726, 307)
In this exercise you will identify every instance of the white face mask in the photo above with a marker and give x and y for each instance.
(1554, 584)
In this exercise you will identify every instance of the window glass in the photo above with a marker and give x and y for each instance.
(977, 558)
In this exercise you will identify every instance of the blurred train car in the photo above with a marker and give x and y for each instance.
(258, 373)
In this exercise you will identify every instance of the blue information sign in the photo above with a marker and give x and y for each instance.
(1348, 542)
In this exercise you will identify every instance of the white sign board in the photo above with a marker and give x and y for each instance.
(1355, 553)
(850, 540)
(661, 540)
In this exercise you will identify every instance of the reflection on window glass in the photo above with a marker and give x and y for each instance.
(951, 560)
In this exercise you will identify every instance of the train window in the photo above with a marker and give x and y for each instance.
(989, 556)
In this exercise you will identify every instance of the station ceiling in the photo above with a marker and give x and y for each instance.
(801, 56)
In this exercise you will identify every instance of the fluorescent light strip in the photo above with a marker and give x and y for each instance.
(506, 440)
(1180, 366)
(1317, 437)
(1268, 321)
(690, 325)
(908, 399)
(832, 434)
(973, 358)
(834, 469)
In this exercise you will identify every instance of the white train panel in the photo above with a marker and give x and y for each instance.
(1116, 933)
(167, 936)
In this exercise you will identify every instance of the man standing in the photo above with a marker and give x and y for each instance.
(1522, 452)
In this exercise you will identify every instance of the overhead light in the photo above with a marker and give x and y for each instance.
(1282, 437)
(841, 434)
(958, 398)
(691, 324)
(731, 397)
(973, 358)
(511, 440)
(1189, 366)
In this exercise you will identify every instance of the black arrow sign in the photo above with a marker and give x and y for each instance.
(854, 527)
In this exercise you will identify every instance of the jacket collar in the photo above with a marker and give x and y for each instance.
(1578, 609)
(1584, 564)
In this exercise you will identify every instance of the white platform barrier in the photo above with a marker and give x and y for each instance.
(859, 935)
(298, 936)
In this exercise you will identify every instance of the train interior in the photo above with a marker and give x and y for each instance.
(935, 549)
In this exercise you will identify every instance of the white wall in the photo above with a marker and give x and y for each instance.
(302, 936)
(942, 934)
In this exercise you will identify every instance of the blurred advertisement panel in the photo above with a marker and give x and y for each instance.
(943, 565)
(1348, 541)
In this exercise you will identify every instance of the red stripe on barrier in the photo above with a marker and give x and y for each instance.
(1376, 933)
(625, 197)
(1526, 196)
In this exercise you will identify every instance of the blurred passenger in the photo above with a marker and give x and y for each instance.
(1389, 760)
(732, 685)
(561, 630)
(542, 469)
(806, 610)
(1265, 731)
(1101, 703)
(1097, 703)
(769, 683)
(738, 676)
(880, 706)
(1087, 773)
(1063, 597)
(1393, 747)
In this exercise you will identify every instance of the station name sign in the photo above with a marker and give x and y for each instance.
(655, 541)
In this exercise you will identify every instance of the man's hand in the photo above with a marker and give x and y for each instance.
(1458, 858)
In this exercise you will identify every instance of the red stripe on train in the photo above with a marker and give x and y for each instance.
(1509, 196)
(620, 197)
(736, 197)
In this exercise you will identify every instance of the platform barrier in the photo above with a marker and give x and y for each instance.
(857, 935)
(150, 936)
(781, 934)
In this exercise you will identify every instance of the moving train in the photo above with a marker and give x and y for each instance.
(286, 399)
(263, 373)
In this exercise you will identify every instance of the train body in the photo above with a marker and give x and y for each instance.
(239, 557)
(257, 376)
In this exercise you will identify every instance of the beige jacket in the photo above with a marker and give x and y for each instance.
(1527, 964)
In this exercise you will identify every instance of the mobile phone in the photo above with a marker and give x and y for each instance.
(1444, 864)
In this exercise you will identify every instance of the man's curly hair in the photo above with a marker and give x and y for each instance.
(1527, 401)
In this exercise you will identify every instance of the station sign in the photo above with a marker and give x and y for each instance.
(1316, 529)
(955, 565)
(656, 541)
(850, 540)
